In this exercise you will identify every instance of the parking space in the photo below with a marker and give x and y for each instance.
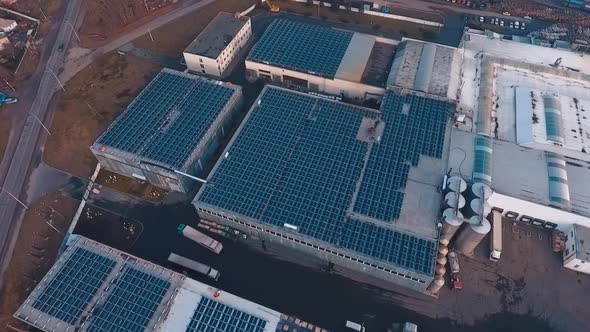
(499, 23)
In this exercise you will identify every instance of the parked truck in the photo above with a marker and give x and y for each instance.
(194, 265)
(496, 236)
(200, 238)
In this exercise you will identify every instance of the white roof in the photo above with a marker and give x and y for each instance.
(356, 57)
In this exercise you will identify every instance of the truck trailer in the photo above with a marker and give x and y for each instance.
(194, 265)
(200, 238)
(496, 236)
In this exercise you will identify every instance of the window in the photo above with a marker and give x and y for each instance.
(573, 248)
(201, 60)
(576, 266)
(567, 252)
(203, 71)
(202, 66)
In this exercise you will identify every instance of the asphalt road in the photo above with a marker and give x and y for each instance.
(16, 175)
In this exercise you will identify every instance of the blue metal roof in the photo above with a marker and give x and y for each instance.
(297, 159)
(304, 47)
(168, 119)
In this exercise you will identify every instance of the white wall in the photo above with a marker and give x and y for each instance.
(216, 67)
(563, 219)
(326, 85)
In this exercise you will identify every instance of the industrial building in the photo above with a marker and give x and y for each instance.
(520, 141)
(427, 67)
(344, 186)
(167, 134)
(320, 58)
(93, 287)
(214, 49)
(576, 255)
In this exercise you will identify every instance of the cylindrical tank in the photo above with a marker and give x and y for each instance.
(478, 206)
(471, 236)
(450, 224)
(481, 190)
(443, 249)
(453, 200)
(441, 259)
(436, 285)
(456, 183)
(440, 269)
(444, 242)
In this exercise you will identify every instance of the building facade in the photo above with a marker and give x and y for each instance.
(212, 52)
(576, 255)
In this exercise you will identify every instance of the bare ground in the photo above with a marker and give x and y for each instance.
(35, 251)
(107, 20)
(94, 98)
(172, 38)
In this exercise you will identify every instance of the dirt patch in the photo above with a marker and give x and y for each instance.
(406, 29)
(93, 100)
(35, 251)
(172, 38)
(131, 186)
(105, 20)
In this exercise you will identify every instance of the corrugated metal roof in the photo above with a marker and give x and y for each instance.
(482, 164)
(356, 57)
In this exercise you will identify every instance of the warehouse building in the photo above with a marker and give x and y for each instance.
(524, 132)
(319, 58)
(427, 67)
(167, 134)
(346, 186)
(214, 49)
(93, 287)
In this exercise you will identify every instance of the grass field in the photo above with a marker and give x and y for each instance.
(35, 251)
(94, 98)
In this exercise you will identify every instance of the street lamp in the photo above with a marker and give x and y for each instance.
(74, 30)
(40, 122)
(14, 197)
(58, 81)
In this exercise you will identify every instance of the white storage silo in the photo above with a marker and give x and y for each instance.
(472, 235)
(451, 222)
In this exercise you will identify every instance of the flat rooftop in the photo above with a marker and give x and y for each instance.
(536, 100)
(359, 179)
(325, 51)
(93, 287)
(217, 35)
(426, 67)
(169, 120)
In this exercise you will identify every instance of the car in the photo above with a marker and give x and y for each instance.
(522, 26)
(516, 24)
(60, 48)
(481, 19)
(501, 23)
(511, 25)
(492, 21)
(468, 4)
(527, 17)
(506, 13)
